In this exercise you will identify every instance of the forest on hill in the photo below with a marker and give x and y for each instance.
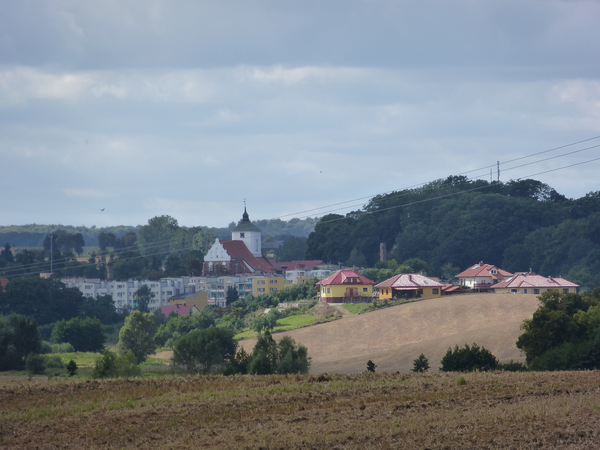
(520, 226)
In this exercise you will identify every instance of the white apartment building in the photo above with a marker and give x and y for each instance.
(123, 292)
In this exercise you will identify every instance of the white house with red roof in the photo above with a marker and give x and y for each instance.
(482, 276)
(532, 283)
(345, 286)
(241, 254)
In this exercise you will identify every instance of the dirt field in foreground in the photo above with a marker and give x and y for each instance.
(393, 337)
(401, 411)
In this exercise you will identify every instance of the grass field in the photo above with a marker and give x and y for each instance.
(490, 410)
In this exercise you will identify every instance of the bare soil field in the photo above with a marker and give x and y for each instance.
(393, 337)
(552, 410)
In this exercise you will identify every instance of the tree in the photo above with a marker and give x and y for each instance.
(137, 335)
(85, 335)
(19, 337)
(232, 295)
(371, 366)
(203, 350)
(265, 355)
(292, 358)
(6, 254)
(468, 359)
(154, 239)
(101, 307)
(421, 364)
(292, 249)
(110, 365)
(143, 296)
(72, 368)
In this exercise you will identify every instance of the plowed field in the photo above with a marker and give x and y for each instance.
(393, 337)
(380, 411)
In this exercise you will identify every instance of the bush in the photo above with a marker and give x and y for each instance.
(203, 350)
(85, 335)
(46, 347)
(53, 362)
(65, 347)
(512, 366)
(35, 364)
(109, 365)
(468, 359)
(371, 366)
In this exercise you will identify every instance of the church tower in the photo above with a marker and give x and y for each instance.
(249, 233)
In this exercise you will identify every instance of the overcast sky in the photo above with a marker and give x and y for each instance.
(186, 108)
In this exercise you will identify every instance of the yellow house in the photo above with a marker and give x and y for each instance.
(408, 285)
(345, 286)
(267, 284)
(197, 299)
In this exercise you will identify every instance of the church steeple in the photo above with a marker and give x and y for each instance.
(249, 233)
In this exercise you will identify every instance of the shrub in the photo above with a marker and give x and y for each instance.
(201, 350)
(35, 364)
(512, 366)
(109, 365)
(65, 347)
(53, 362)
(468, 359)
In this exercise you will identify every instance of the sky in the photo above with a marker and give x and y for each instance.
(116, 111)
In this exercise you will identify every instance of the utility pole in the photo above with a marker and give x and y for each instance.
(498, 165)
(51, 252)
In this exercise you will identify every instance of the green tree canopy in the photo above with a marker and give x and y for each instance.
(203, 350)
(137, 335)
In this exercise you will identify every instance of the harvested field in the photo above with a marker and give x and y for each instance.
(393, 337)
(490, 410)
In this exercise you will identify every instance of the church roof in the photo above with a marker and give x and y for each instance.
(245, 224)
(238, 250)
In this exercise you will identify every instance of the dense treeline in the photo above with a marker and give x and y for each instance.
(519, 226)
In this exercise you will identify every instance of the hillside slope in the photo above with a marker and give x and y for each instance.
(393, 337)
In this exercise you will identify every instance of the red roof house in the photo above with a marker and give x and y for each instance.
(532, 283)
(345, 286)
(409, 285)
(3, 283)
(482, 276)
(181, 310)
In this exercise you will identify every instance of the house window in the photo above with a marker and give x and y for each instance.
(565, 291)
(513, 291)
(329, 290)
(536, 291)
(261, 289)
(260, 282)
(435, 291)
(420, 291)
(242, 235)
(273, 281)
(273, 289)
(365, 289)
(524, 291)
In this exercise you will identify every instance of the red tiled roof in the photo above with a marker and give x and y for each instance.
(484, 270)
(452, 288)
(3, 282)
(533, 280)
(340, 277)
(294, 265)
(181, 310)
(238, 250)
(408, 281)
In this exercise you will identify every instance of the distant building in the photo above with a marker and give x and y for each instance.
(241, 254)
(180, 310)
(532, 283)
(481, 277)
(345, 286)
(409, 285)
